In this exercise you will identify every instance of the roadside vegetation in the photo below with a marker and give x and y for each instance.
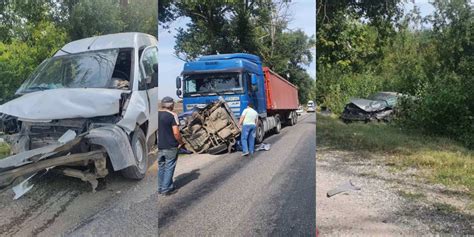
(369, 46)
(4, 150)
(440, 160)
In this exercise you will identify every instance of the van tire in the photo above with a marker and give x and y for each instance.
(140, 151)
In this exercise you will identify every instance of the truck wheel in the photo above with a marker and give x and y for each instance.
(259, 133)
(295, 116)
(140, 151)
(277, 128)
(292, 119)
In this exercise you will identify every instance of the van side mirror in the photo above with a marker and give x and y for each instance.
(178, 82)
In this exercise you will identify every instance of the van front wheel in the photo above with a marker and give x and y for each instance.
(140, 152)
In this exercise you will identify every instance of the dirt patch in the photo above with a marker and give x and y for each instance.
(390, 202)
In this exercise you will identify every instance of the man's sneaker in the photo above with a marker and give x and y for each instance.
(245, 154)
(170, 192)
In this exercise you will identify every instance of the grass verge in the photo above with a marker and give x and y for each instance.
(441, 160)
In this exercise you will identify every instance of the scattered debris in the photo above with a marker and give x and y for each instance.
(342, 188)
(23, 187)
(263, 147)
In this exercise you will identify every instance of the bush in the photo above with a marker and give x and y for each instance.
(18, 59)
(443, 109)
(338, 87)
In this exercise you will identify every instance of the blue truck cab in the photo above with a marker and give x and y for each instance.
(237, 78)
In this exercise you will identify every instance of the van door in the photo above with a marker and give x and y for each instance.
(149, 72)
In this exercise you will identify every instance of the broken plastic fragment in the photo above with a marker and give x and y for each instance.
(342, 188)
(22, 187)
(68, 136)
(263, 146)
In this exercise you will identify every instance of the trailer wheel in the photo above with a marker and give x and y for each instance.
(277, 128)
(292, 119)
(140, 151)
(260, 133)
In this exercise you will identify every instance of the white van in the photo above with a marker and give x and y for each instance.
(93, 103)
(310, 106)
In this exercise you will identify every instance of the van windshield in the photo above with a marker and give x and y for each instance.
(208, 83)
(83, 70)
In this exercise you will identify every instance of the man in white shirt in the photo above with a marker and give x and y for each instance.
(248, 122)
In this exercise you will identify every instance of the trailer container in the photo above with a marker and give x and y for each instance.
(280, 93)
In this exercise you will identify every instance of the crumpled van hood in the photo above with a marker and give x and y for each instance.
(64, 103)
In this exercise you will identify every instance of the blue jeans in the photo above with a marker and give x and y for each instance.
(166, 163)
(247, 138)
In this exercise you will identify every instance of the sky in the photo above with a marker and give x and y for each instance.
(425, 6)
(303, 17)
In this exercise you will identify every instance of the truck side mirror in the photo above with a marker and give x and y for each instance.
(179, 92)
(178, 82)
(254, 79)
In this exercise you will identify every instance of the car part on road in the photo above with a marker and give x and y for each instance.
(348, 186)
(263, 147)
(212, 129)
(23, 187)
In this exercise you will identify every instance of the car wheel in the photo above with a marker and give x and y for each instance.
(140, 151)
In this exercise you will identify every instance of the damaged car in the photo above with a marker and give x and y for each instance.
(212, 129)
(378, 107)
(89, 109)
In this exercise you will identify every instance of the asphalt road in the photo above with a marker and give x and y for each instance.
(272, 193)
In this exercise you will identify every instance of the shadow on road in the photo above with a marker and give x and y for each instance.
(183, 179)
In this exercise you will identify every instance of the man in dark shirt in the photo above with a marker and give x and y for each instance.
(169, 140)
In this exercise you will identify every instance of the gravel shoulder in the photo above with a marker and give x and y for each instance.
(390, 202)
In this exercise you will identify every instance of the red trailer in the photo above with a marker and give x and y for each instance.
(282, 97)
(281, 94)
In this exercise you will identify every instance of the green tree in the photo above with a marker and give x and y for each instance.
(19, 58)
(89, 18)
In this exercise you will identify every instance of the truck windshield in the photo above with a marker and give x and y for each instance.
(84, 70)
(208, 83)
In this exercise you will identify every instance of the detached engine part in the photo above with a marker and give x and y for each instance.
(212, 129)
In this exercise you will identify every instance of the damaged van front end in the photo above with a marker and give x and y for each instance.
(83, 114)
